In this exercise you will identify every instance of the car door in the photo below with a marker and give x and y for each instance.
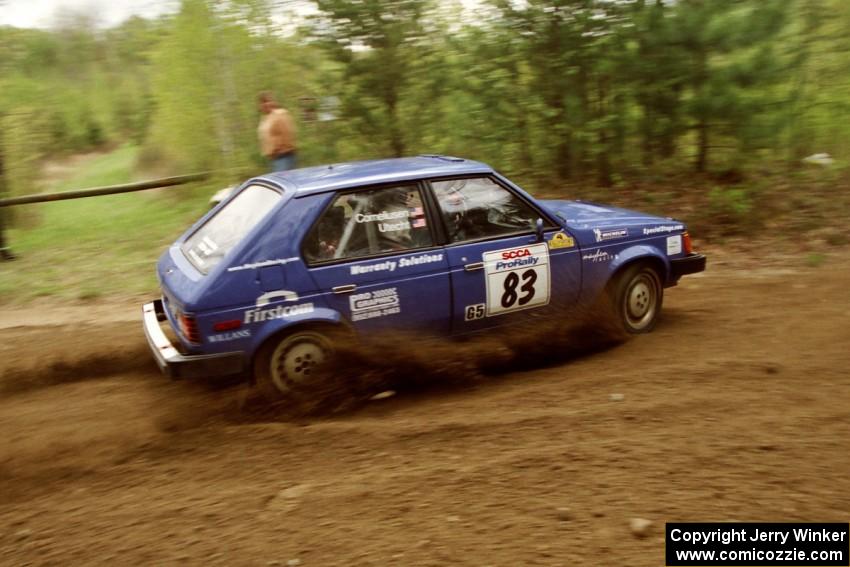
(373, 256)
(500, 270)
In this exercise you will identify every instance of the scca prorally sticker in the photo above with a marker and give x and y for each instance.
(674, 245)
(231, 336)
(517, 278)
(610, 234)
(371, 304)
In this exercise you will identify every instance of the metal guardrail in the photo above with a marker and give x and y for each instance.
(108, 190)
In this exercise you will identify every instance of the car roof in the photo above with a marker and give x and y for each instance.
(357, 173)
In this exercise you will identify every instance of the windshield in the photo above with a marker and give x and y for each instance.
(220, 234)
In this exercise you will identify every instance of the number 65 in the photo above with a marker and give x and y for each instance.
(473, 312)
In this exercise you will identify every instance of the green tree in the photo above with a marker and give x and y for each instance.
(818, 112)
(184, 84)
(657, 73)
(730, 64)
(377, 42)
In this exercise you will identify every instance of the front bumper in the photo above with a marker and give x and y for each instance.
(690, 264)
(177, 365)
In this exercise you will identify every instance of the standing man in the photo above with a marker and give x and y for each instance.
(277, 133)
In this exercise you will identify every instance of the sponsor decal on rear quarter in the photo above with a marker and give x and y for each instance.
(259, 315)
(263, 264)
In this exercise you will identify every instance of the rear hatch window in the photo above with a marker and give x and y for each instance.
(221, 233)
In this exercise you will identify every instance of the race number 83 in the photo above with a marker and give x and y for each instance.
(517, 278)
(510, 297)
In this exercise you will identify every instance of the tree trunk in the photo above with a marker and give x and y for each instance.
(603, 161)
(702, 121)
(702, 144)
(396, 139)
(647, 147)
(564, 157)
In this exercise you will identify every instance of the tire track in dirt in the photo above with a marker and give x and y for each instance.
(736, 408)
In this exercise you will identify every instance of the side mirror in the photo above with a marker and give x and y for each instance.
(538, 229)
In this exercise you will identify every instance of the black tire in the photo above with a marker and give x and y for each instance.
(285, 364)
(636, 296)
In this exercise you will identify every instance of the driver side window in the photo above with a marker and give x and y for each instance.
(478, 207)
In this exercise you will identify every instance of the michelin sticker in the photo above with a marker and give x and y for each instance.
(674, 245)
(561, 240)
(372, 304)
(610, 234)
(517, 278)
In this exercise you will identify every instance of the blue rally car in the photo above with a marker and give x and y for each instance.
(432, 244)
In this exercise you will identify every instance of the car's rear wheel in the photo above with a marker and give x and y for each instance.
(636, 295)
(290, 362)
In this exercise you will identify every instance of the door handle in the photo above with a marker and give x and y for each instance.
(474, 266)
(344, 288)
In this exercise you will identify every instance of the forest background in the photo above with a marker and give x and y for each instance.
(702, 109)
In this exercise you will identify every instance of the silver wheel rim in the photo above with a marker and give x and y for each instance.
(294, 361)
(640, 301)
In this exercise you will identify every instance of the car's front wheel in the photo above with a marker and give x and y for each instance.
(291, 361)
(636, 295)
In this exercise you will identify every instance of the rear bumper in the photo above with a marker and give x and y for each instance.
(690, 264)
(177, 365)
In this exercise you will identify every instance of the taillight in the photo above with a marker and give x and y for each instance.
(686, 243)
(227, 325)
(189, 328)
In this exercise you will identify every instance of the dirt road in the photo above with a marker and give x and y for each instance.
(736, 408)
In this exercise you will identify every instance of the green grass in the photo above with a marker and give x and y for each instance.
(85, 249)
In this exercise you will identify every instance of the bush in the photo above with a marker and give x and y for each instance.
(731, 207)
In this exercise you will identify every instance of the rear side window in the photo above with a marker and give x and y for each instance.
(367, 223)
(220, 234)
